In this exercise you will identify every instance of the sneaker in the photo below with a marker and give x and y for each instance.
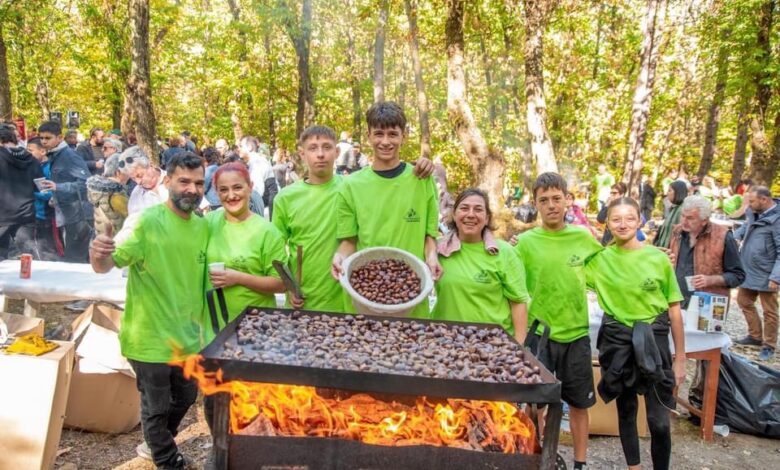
(748, 341)
(766, 353)
(179, 462)
(144, 451)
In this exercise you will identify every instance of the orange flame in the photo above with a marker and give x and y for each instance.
(292, 410)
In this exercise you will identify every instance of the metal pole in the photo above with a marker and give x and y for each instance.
(552, 428)
(221, 430)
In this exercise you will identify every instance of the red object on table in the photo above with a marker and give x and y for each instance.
(707, 411)
(25, 268)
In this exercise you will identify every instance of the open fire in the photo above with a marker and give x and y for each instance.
(262, 409)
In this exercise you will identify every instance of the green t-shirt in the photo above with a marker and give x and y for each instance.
(397, 212)
(305, 214)
(603, 185)
(732, 204)
(633, 285)
(249, 246)
(165, 287)
(477, 286)
(555, 279)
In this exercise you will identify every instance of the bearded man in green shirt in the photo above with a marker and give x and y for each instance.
(166, 256)
(385, 205)
(554, 256)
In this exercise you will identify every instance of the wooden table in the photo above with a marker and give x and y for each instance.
(710, 399)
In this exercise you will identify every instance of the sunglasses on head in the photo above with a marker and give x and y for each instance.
(127, 161)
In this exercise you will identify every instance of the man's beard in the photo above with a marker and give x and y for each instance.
(185, 202)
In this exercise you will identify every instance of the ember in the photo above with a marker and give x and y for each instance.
(286, 410)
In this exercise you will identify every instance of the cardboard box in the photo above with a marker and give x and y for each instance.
(33, 395)
(603, 417)
(712, 311)
(103, 394)
(19, 325)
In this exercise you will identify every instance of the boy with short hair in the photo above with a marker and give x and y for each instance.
(554, 256)
(385, 205)
(305, 214)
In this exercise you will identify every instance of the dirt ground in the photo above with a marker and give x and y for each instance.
(83, 450)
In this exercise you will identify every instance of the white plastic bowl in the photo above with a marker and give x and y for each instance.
(367, 307)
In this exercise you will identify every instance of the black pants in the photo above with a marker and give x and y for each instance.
(45, 246)
(22, 235)
(165, 398)
(76, 238)
(657, 420)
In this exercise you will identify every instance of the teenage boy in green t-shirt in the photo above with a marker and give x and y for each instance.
(554, 256)
(166, 254)
(305, 214)
(385, 204)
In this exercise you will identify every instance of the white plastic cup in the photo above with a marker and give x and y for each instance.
(216, 267)
(39, 184)
(689, 283)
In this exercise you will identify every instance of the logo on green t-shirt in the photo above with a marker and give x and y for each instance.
(240, 263)
(482, 277)
(411, 216)
(648, 285)
(202, 257)
(574, 261)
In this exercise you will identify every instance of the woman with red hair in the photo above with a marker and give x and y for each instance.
(246, 243)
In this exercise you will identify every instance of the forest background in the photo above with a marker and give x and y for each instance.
(500, 90)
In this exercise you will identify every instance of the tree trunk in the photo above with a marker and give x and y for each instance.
(761, 160)
(139, 86)
(713, 114)
(740, 147)
(379, 52)
(419, 83)
(116, 106)
(235, 118)
(354, 83)
(536, 13)
(270, 101)
(514, 77)
(6, 112)
(42, 98)
(300, 35)
(652, 26)
(487, 163)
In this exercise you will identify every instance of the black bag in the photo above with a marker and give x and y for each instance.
(748, 396)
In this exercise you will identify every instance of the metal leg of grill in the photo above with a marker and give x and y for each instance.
(552, 428)
(221, 430)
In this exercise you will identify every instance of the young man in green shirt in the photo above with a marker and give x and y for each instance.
(554, 257)
(305, 214)
(166, 254)
(385, 204)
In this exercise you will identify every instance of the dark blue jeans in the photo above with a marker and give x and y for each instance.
(165, 398)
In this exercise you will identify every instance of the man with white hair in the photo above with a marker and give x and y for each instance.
(705, 251)
(111, 146)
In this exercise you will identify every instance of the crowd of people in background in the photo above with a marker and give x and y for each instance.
(104, 201)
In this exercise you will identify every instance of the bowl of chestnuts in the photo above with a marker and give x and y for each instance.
(386, 281)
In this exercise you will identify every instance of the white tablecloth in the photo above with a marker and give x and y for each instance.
(59, 282)
(695, 340)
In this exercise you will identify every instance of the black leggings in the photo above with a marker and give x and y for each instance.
(657, 420)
